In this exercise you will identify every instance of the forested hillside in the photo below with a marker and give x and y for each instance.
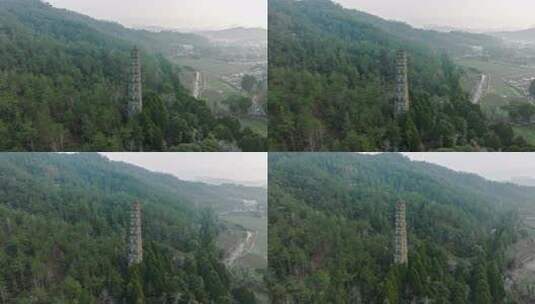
(331, 236)
(63, 227)
(63, 84)
(332, 75)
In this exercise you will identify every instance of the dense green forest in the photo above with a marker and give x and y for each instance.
(63, 84)
(331, 229)
(63, 227)
(331, 80)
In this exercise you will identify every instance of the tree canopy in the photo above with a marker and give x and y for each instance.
(331, 220)
(332, 82)
(63, 234)
(63, 87)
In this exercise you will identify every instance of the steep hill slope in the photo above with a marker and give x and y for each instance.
(331, 231)
(64, 82)
(64, 223)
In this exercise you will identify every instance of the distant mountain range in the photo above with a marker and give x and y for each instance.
(475, 30)
(223, 181)
(527, 35)
(237, 34)
(233, 34)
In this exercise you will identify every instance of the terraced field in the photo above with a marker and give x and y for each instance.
(501, 75)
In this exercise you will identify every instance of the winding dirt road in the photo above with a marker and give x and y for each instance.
(197, 85)
(480, 88)
(242, 249)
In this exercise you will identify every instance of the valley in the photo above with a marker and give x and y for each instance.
(505, 90)
(230, 56)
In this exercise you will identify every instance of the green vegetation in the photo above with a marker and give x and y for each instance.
(499, 72)
(527, 132)
(331, 81)
(63, 88)
(238, 105)
(64, 222)
(258, 125)
(331, 229)
(248, 83)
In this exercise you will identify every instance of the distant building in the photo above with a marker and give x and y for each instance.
(401, 101)
(135, 98)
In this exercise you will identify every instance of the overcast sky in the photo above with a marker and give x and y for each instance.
(197, 14)
(252, 167)
(496, 14)
(494, 166)
(239, 167)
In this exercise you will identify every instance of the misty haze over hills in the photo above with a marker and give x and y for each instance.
(476, 15)
(524, 181)
(449, 28)
(223, 181)
(197, 15)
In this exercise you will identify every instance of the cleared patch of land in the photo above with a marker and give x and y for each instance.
(507, 83)
(220, 80)
(255, 224)
(504, 78)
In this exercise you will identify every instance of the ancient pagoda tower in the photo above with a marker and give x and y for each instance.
(135, 99)
(401, 100)
(135, 242)
(400, 242)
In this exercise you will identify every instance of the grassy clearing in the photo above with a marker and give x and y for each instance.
(215, 89)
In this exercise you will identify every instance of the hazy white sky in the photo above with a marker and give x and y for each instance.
(239, 167)
(252, 167)
(198, 14)
(494, 166)
(477, 14)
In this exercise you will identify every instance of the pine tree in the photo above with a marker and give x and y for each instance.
(482, 293)
(392, 291)
(496, 283)
(134, 287)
